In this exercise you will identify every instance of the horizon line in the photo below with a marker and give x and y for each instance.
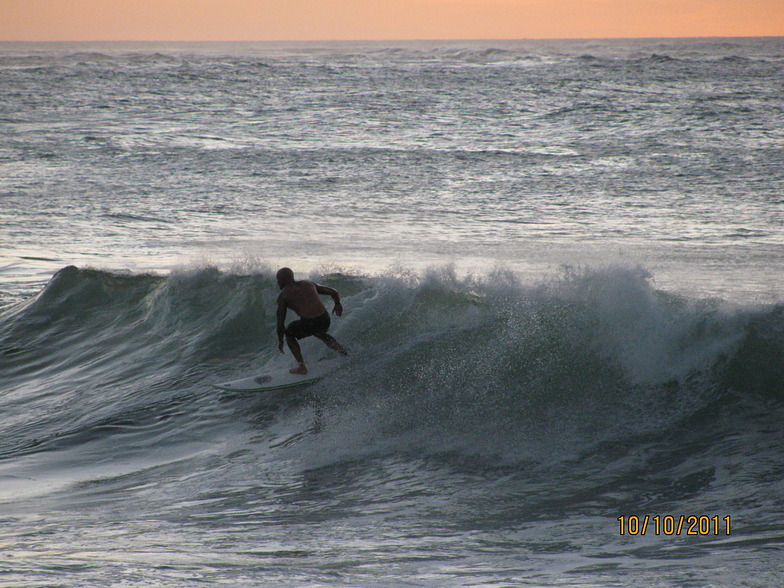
(402, 40)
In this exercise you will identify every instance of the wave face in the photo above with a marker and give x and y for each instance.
(469, 403)
(476, 364)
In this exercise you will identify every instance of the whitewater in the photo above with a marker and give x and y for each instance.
(560, 265)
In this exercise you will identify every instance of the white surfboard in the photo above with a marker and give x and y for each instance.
(277, 378)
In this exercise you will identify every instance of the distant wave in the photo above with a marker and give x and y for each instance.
(38, 60)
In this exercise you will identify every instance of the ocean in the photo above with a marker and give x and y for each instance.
(561, 270)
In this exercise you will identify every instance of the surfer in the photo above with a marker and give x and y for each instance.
(303, 298)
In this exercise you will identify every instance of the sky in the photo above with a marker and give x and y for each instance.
(320, 20)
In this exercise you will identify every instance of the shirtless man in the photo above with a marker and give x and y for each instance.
(303, 298)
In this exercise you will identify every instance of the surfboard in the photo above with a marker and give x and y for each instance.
(278, 378)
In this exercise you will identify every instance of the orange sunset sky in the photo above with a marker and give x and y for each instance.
(273, 20)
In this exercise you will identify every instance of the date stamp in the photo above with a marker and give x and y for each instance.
(674, 525)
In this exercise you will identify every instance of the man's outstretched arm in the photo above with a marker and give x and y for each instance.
(281, 323)
(327, 291)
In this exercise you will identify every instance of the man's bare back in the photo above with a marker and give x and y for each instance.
(303, 298)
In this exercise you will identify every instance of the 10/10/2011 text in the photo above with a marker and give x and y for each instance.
(674, 525)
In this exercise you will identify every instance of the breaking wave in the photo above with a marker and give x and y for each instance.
(480, 365)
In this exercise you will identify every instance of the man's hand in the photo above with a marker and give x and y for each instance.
(338, 310)
(280, 345)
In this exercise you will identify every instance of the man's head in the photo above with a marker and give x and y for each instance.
(285, 277)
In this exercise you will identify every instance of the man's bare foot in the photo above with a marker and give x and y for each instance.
(300, 370)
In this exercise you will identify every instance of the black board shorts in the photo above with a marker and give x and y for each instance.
(308, 326)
